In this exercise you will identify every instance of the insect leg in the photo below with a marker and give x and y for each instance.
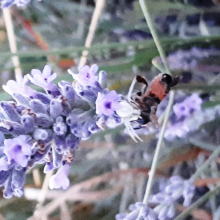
(142, 80)
(131, 89)
(132, 131)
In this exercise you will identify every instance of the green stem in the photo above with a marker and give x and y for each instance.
(158, 148)
(168, 109)
(200, 201)
(154, 34)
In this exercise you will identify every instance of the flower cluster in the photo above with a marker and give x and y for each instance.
(138, 210)
(187, 59)
(46, 128)
(163, 202)
(166, 199)
(188, 116)
(9, 3)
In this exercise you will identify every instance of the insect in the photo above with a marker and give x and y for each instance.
(140, 108)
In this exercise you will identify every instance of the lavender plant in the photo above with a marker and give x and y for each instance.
(9, 3)
(46, 128)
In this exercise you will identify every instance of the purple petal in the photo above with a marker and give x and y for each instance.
(17, 150)
(60, 179)
(93, 69)
(46, 71)
(3, 164)
(107, 104)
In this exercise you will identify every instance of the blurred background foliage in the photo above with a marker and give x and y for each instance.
(54, 32)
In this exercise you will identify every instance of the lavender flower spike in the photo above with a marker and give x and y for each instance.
(9, 3)
(137, 209)
(60, 179)
(86, 76)
(17, 150)
(107, 104)
(44, 79)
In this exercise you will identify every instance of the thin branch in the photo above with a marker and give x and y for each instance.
(12, 42)
(168, 109)
(43, 192)
(154, 34)
(94, 23)
(85, 185)
(158, 148)
(64, 212)
(36, 177)
(83, 196)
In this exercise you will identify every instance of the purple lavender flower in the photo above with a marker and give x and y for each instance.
(17, 150)
(3, 164)
(9, 3)
(188, 116)
(44, 79)
(87, 75)
(107, 104)
(176, 188)
(193, 102)
(137, 209)
(178, 129)
(64, 115)
(60, 179)
(18, 87)
(179, 187)
(180, 109)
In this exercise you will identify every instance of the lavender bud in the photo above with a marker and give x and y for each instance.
(88, 96)
(21, 99)
(85, 131)
(8, 191)
(72, 141)
(73, 116)
(66, 108)
(101, 120)
(3, 163)
(60, 128)
(18, 178)
(37, 106)
(38, 156)
(20, 108)
(3, 177)
(68, 92)
(2, 138)
(54, 92)
(60, 143)
(43, 120)
(93, 127)
(120, 216)
(28, 123)
(171, 212)
(9, 127)
(48, 167)
(42, 97)
(57, 159)
(102, 78)
(163, 212)
(10, 112)
(56, 108)
(4, 127)
(40, 134)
